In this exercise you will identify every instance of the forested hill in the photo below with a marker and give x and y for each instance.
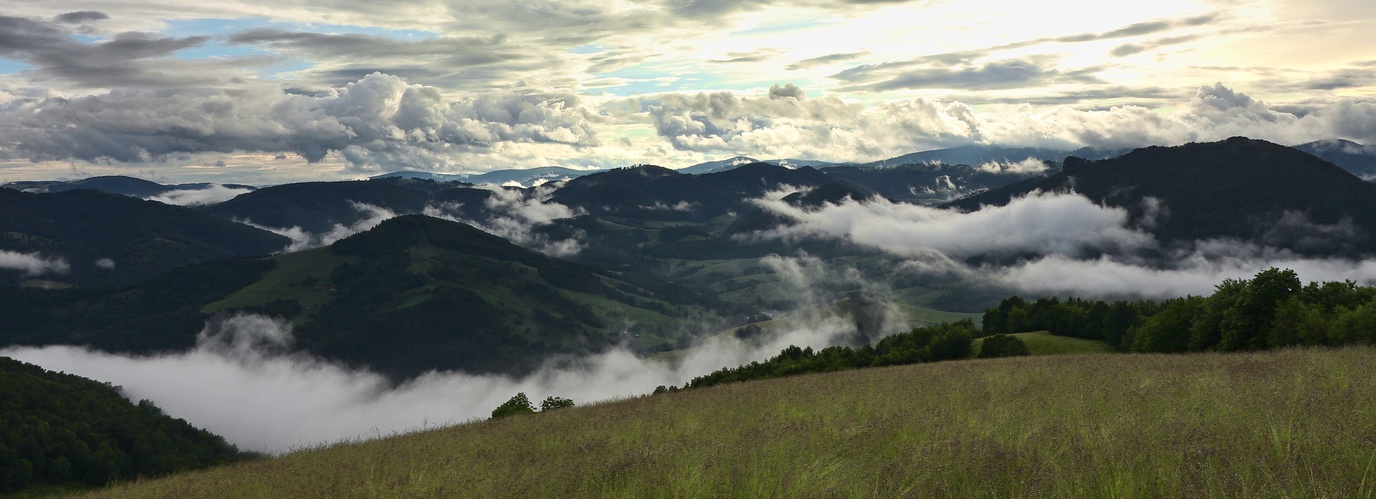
(109, 239)
(60, 429)
(1239, 188)
(412, 295)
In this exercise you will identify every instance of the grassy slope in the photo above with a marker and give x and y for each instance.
(1294, 422)
(1045, 343)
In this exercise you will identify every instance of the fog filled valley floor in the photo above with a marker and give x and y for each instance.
(1291, 422)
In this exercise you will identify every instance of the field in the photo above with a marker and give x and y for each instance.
(1296, 422)
(1045, 343)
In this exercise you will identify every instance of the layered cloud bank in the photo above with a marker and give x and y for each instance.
(1055, 244)
(382, 122)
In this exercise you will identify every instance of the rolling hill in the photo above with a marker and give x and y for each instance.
(412, 295)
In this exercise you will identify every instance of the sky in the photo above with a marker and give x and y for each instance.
(264, 92)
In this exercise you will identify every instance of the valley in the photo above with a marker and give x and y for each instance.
(401, 302)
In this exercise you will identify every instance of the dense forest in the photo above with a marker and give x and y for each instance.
(1273, 309)
(61, 429)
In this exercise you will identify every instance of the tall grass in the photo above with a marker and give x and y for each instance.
(1288, 423)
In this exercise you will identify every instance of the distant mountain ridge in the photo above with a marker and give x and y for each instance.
(1240, 188)
(109, 239)
(114, 184)
(1356, 158)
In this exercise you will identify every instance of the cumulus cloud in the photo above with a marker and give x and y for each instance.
(303, 240)
(105, 263)
(33, 264)
(1041, 223)
(377, 120)
(786, 122)
(514, 214)
(212, 194)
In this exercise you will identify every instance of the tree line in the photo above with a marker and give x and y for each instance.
(946, 341)
(1271, 310)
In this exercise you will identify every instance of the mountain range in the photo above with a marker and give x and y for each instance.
(569, 267)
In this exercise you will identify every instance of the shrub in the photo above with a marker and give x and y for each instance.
(552, 403)
(1001, 345)
(517, 405)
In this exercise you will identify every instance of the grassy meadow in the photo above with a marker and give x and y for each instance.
(1297, 422)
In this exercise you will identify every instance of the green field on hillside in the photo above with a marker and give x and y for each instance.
(1295, 422)
(1045, 343)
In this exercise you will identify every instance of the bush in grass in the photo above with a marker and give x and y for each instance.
(1001, 345)
(551, 403)
(518, 404)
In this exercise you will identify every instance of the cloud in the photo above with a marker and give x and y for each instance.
(1064, 244)
(79, 17)
(1195, 274)
(1025, 167)
(302, 240)
(1004, 74)
(33, 264)
(1039, 224)
(215, 193)
(786, 123)
(243, 381)
(377, 120)
(514, 214)
(469, 63)
(105, 263)
(1135, 48)
(128, 59)
(825, 60)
